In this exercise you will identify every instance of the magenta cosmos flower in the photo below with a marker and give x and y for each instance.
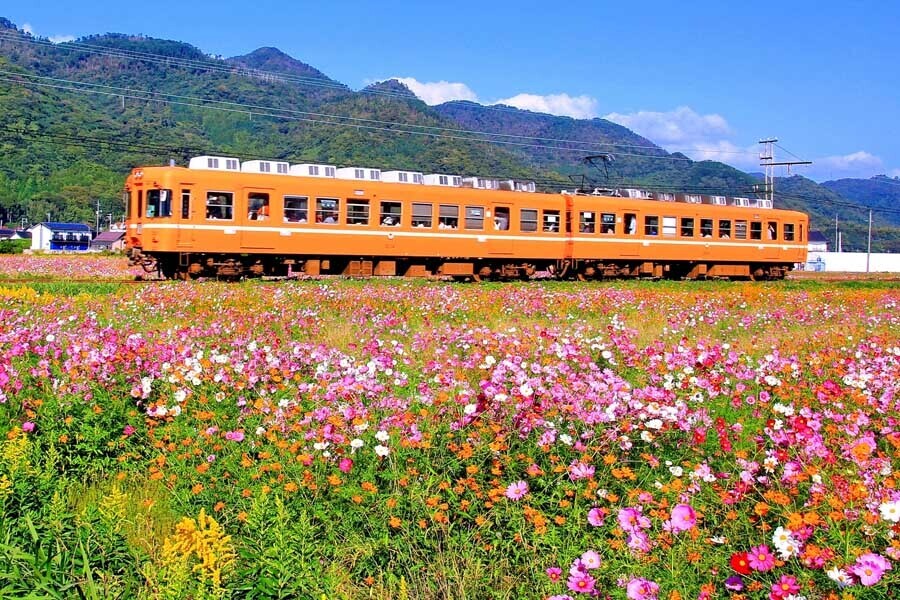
(631, 519)
(870, 568)
(581, 582)
(597, 516)
(516, 490)
(760, 558)
(683, 517)
(641, 589)
(786, 586)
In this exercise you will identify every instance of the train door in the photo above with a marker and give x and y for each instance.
(631, 233)
(501, 217)
(184, 213)
(254, 219)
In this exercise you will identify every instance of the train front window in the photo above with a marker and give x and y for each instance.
(789, 232)
(357, 212)
(296, 209)
(687, 227)
(220, 206)
(588, 222)
(528, 219)
(159, 203)
(391, 213)
(421, 215)
(474, 217)
(327, 210)
(551, 221)
(257, 206)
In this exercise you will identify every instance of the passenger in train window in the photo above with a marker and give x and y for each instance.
(330, 218)
(388, 221)
(501, 222)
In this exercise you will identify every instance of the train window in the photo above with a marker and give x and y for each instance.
(422, 215)
(608, 222)
(127, 198)
(501, 218)
(630, 223)
(772, 230)
(474, 217)
(551, 221)
(159, 203)
(220, 205)
(651, 225)
(448, 217)
(789, 232)
(296, 209)
(140, 203)
(669, 226)
(755, 230)
(587, 222)
(257, 206)
(740, 230)
(327, 210)
(185, 204)
(391, 212)
(706, 228)
(528, 218)
(687, 227)
(357, 212)
(725, 228)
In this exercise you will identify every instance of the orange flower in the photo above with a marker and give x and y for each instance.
(395, 523)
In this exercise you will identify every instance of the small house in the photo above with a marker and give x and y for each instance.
(67, 237)
(113, 240)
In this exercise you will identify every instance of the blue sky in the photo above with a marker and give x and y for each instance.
(706, 78)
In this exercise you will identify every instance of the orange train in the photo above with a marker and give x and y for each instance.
(219, 217)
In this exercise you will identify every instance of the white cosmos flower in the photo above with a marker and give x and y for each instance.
(382, 450)
(382, 436)
(890, 511)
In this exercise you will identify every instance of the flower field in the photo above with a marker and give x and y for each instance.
(387, 439)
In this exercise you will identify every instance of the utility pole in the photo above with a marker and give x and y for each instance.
(837, 243)
(97, 212)
(767, 160)
(869, 247)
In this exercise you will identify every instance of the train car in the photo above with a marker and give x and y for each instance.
(220, 218)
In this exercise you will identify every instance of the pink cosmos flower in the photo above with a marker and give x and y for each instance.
(786, 586)
(590, 560)
(27, 426)
(516, 490)
(345, 465)
(579, 470)
(760, 558)
(554, 573)
(631, 519)
(560, 597)
(870, 568)
(234, 436)
(683, 517)
(128, 430)
(641, 589)
(581, 582)
(597, 516)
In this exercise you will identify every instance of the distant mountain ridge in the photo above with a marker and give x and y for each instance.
(167, 99)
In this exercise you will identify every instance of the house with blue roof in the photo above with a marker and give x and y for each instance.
(65, 237)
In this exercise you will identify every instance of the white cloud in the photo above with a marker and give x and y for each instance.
(563, 105)
(894, 173)
(438, 92)
(55, 39)
(680, 126)
(859, 164)
(701, 137)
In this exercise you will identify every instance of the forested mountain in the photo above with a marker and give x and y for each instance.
(75, 117)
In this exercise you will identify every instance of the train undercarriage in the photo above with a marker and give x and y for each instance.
(185, 266)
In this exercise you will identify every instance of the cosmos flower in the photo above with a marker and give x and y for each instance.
(516, 490)
(641, 589)
(760, 558)
(683, 517)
